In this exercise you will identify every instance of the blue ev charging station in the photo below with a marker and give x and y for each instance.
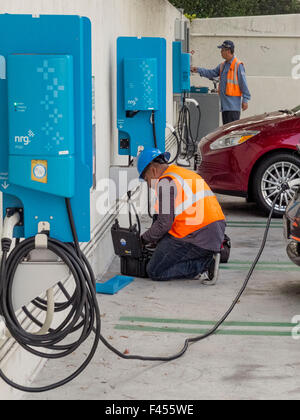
(141, 90)
(181, 69)
(46, 114)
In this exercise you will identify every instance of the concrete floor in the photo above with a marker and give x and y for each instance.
(253, 358)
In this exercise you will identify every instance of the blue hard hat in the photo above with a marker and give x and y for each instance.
(147, 156)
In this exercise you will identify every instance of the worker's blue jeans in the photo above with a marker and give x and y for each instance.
(176, 259)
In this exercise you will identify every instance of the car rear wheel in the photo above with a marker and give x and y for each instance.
(269, 177)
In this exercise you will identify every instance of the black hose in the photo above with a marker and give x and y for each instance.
(186, 138)
(83, 308)
(178, 148)
(154, 129)
(132, 206)
(149, 202)
(198, 125)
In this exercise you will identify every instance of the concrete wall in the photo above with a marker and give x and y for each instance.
(268, 45)
(110, 19)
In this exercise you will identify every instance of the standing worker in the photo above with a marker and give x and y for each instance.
(234, 92)
(190, 225)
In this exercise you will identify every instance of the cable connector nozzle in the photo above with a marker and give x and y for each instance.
(6, 244)
(192, 101)
(171, 128)
(11, 220)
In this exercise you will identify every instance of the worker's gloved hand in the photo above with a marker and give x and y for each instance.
(194, 69)
(148, 245)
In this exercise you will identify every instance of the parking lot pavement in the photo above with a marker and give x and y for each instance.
(253, 356)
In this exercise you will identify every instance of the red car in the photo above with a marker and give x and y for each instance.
(252, 157)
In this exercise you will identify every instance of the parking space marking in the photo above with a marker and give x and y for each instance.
(261, 266)
(264, 329)
(253, 224)
(221, 331)
(201, 322)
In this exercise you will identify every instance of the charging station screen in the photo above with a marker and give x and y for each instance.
(41, 122)
(141, 85)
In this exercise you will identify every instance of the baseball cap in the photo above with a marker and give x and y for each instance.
(227, 44)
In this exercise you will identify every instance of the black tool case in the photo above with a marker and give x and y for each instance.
(128, 246)
(135, 267)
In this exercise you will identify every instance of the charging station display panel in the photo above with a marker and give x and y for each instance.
(46, 147)
(186, 72)
(181, 69)
(141, 90)
(177, 84)
(141, 84)
(41, 123)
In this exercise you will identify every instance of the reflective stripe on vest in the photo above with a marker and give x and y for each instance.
(232, 86)
(195, 207)
(191, 197)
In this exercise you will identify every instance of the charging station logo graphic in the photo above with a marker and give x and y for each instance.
(133, 102)
(22, 140)
(25, 140)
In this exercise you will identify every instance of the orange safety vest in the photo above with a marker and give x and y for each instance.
(196, 206)
(232, 86)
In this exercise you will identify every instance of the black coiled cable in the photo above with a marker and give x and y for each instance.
(188, 143)
(83, 314)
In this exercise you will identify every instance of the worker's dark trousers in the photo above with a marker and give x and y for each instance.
(230, 116)
(176, 259)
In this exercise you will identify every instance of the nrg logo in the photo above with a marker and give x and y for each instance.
(25, 140)
(133, 102)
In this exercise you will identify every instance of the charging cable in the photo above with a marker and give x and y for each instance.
(83, 314)
(154, 129)
(178, 149)
(193, 101)
(188, 143)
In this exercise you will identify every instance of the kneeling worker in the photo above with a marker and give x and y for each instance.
(190, 225)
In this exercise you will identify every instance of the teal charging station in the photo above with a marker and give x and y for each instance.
(181, 69)
(46, 122)
(141, 93)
